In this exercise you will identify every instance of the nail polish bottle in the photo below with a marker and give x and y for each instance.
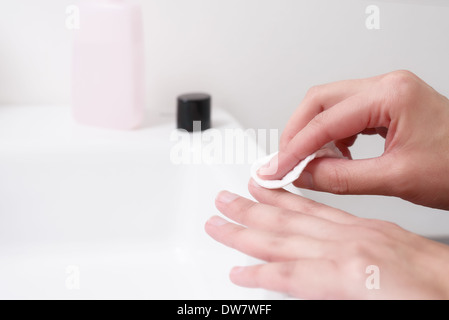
(108, 65)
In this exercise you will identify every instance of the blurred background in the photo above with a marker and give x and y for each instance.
(256, 57)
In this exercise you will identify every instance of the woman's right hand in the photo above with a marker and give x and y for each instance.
(408, 113)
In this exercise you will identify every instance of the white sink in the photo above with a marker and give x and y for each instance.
(89, 213)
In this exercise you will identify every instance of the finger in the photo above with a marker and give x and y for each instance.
(347, 142)
(344, 120)
(383, 132)
(344, 149)
(266, 246)
(318, 99)
(341, 176)
(284, 199)
(373, 131)
(268, 218)
(305, 278)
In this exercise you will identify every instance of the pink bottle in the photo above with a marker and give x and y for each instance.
(108, 65)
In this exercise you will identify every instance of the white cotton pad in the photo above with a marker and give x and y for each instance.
(329, 150)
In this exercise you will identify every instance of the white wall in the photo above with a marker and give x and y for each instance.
(257, 57)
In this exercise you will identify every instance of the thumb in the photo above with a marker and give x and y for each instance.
(342, 176)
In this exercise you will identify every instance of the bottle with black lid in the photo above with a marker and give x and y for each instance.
(194, 107)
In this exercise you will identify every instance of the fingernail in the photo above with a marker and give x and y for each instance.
(270, 168)
(237, 270)
(226, 197)
(217, 221)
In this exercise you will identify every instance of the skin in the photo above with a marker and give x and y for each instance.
(413, 118)
(313, 251)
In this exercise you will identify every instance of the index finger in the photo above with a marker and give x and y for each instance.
(319, 99)
(344, 120)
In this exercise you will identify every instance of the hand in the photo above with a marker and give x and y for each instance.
(413, 118)
(317, 252)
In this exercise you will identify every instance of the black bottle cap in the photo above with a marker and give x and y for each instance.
(194, 108)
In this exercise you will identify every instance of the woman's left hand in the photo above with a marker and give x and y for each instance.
(313, 251)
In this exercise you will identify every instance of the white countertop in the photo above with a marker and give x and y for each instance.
(111, 205)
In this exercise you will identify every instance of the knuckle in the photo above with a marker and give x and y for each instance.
(367, 240)
(358, 248)
(286, 137)
(271, 252)
(277, 197)
(403, 85)
(358, 256)
(314, 93)
(282, 219)
(320, 124)
(287, 270)
(381, 225)
(234, 237)
(338, 181)
(248, 212)
(400, 77)
(245, 209)
(355, 267)
(320, 119)
(399, 172)
(309, 206)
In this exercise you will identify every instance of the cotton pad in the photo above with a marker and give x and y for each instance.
(329, 151)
